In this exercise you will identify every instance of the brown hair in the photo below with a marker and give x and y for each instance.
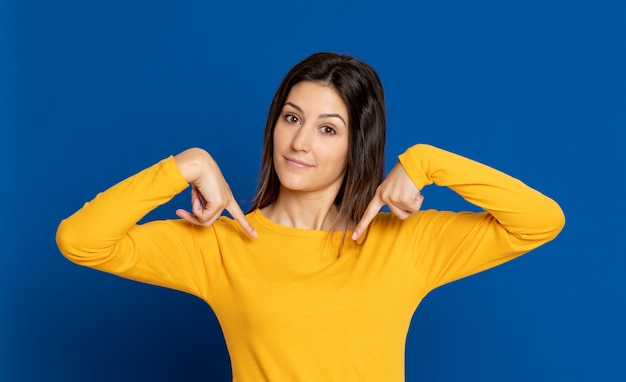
(360, 88)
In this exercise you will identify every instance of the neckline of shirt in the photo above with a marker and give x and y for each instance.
(258, 217)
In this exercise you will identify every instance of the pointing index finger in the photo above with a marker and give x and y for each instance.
(237, 214)
(370, 213)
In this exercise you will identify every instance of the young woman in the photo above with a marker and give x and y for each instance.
(314, 283)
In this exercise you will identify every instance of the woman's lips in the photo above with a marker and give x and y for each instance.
(297, 163)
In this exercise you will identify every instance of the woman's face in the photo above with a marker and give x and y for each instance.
(311, 140)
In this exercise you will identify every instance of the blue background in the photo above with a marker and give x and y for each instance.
(92, 92)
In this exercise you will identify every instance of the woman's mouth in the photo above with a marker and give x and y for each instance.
(297, 163)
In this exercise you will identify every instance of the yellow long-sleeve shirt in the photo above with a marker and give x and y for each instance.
(290, 308)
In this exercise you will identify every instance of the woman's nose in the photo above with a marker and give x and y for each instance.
(302, 139)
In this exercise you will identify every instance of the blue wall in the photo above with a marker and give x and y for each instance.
(91, 92)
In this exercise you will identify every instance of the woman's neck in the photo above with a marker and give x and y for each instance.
(302, 211)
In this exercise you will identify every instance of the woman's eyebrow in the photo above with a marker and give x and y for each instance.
(320, 116)
(294, 106)
(333, 115)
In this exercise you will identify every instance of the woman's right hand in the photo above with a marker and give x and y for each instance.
(210, 194)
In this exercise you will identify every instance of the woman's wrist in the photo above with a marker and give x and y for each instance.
(190, 163)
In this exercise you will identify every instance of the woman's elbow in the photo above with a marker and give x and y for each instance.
(542, 225)
(553, 219)
(67, 239)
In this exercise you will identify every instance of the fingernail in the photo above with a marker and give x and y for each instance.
(354, 236)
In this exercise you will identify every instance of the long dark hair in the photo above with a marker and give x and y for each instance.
(361, 90)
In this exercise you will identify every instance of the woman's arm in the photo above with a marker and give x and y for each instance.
(520, 209)
(448, 245)
(104, 233)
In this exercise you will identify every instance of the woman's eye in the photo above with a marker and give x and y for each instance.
(328, 130)
(292, 118)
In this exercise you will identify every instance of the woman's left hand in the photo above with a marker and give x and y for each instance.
(398, 192)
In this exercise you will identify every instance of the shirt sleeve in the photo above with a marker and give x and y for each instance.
(104, 234)
(451, 245)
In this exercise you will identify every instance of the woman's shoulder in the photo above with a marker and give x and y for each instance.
(387, 219)
(387, 224)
